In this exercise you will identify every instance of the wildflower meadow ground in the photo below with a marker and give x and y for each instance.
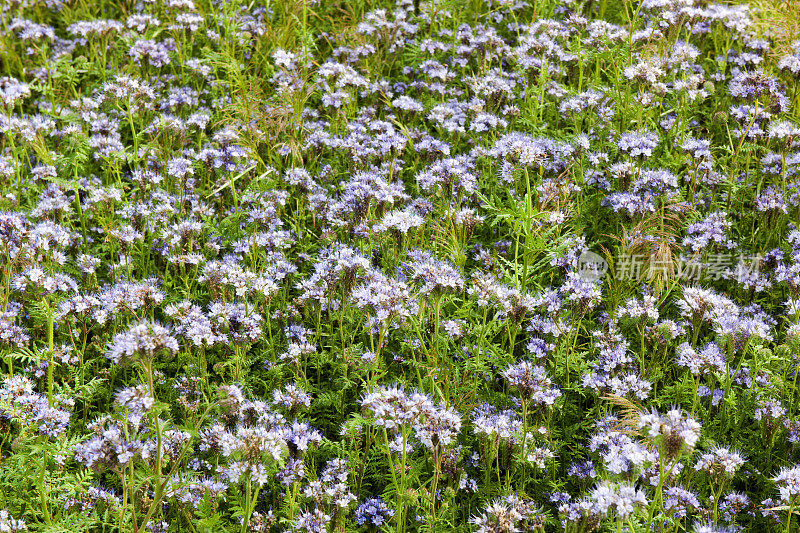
(399, 266)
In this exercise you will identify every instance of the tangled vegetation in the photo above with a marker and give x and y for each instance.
(355, 265)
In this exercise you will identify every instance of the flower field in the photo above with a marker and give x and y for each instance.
(416, 266)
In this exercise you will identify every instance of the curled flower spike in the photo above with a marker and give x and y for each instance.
(674, 431)
(142, 343)
(720, 461)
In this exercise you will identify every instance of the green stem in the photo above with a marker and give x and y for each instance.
(43, 495)
(399, 514)
(50, 362)
(436, 474)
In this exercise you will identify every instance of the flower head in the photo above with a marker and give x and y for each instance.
(142, 342)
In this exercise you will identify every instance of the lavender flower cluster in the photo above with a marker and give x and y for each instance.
(350, 266)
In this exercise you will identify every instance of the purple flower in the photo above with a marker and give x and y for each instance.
(788, 484)
(438, 426)
(709, 359)
(532, 382)
(638, 143)
(720, 461)
(142, 342)
(312, 522)
(373, 512)
(504, 514)
(622, 499)
(674, 431)
(680, 501)
(11, 524)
